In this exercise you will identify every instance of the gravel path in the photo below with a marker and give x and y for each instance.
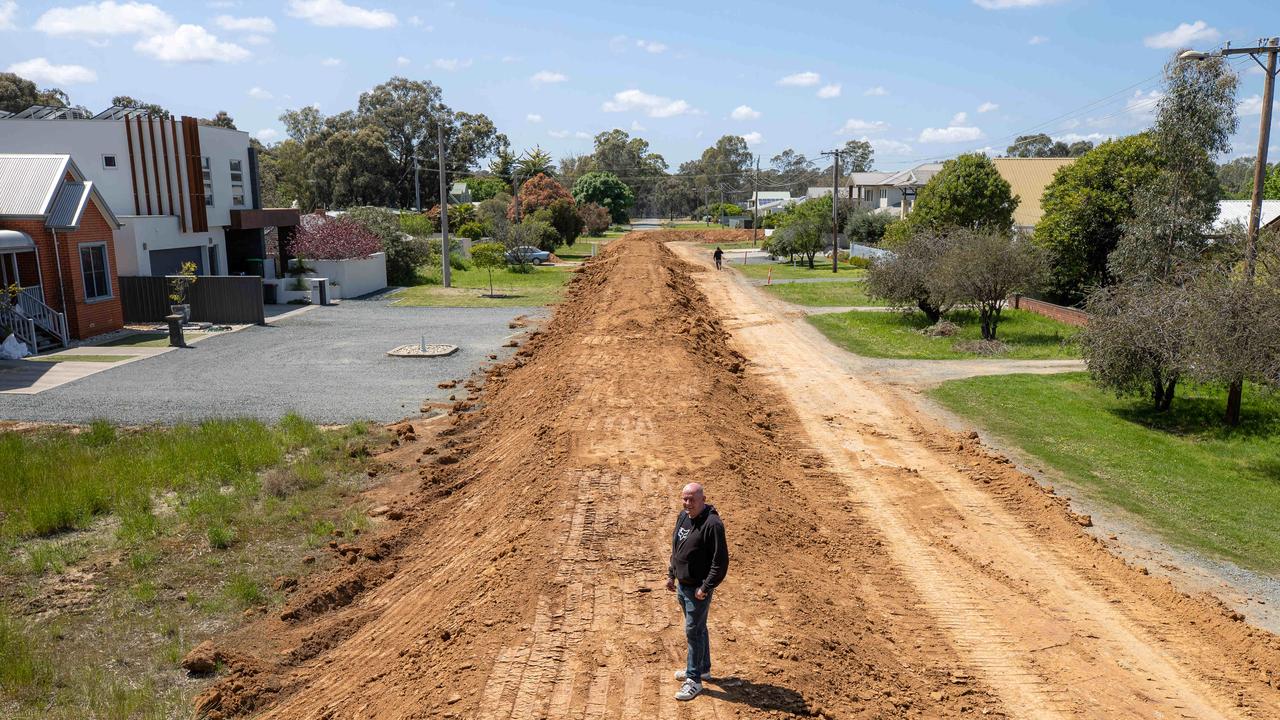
(329, 365)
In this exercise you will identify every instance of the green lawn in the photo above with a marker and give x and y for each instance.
(82, 358)
(543, 286)
(824, 294)
(1195, 482)
(895, 335)
(581, 249)
(784, 271)
(149, 339)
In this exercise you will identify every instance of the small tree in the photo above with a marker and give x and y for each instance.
(180, 284)
(968, 192)
(489, 256)
(484, 188)
(866, 227)
(806, 228)
(563, 216)
(913, 275)
(607, 191)
(985, 267)
(595, 219)
(1137, 340)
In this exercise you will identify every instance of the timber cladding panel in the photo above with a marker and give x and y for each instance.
(195, 174)
(213, 298)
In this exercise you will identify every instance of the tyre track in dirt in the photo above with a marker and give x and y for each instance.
(523, 577)
(1054, 623)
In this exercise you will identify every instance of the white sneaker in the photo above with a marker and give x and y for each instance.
(683, 675)
(689, 690)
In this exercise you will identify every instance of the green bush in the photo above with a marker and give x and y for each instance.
(473, 230)
(418, 225)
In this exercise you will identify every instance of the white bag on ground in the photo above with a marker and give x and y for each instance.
(13, 349)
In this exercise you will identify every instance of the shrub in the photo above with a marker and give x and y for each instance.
(472, 230)
(595, 218)
(484, 188)
(323, 238)
(608, 191)
(538, 192)
(912, 276)
(866, 227)
(985, 267)
(540, 234)
(420, 225)
(405, 255)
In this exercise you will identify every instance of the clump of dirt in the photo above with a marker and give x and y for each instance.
(942, 328)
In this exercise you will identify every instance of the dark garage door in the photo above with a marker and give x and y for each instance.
(169, 262)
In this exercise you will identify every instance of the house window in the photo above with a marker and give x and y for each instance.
(93, 268)
(109, 162)
(884, 193)
(237, 183)
(208, 181)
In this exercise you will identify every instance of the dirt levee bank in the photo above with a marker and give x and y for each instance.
(524, 577)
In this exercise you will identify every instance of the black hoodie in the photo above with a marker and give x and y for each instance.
(699, 554)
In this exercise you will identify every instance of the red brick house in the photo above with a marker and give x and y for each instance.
(56, 245)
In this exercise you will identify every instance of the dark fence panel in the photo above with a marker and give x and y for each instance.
(213, 298)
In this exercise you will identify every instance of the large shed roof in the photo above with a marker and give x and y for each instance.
(1028, 177)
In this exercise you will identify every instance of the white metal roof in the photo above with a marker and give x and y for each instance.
(11, 240)
(69, 205)
(1237, 211)
(28, 183)
(916, 176)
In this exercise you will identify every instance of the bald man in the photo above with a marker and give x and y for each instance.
(699, 561)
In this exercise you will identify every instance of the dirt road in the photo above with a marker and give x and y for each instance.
(881, 568)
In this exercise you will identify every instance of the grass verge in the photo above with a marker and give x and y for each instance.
(897, 335)
(785, 271)
(1196, 483)
(541, 286)
(178, 534)
(824, 294)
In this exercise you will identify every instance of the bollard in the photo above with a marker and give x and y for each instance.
(175, 331)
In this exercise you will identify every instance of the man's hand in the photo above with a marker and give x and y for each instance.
(671, 584)
(700, 594)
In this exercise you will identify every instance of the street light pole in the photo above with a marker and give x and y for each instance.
(755, 205)
(444, 210)
(835, 210)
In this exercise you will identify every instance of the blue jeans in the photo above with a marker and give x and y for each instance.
(695, 630)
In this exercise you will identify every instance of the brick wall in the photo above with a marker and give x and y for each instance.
(83, 319)
(1070, 316)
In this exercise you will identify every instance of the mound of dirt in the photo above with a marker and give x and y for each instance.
(525, 579)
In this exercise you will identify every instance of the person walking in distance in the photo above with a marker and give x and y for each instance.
(699, 562)
(718, 255)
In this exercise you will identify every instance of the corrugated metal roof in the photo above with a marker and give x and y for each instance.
(870, 178)
(914, 177)
(1237, 211)
(1028, 177)
(68, 206)
(28, 182)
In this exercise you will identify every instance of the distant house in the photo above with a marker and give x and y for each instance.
(1231, 212)
(767, 199)
(459, 193)
(57, 245)
(1028, 177)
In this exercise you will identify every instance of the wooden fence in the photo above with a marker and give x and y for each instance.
(213, 298)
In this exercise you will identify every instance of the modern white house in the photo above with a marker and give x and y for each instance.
(182, 191)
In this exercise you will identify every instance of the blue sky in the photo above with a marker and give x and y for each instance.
(920, 80)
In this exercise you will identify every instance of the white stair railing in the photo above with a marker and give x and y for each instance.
(24, 328)
(31, 301)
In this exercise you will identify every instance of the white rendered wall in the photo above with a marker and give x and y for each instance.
(353, 277)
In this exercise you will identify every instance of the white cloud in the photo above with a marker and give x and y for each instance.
(1143, 104)
(267, 135)
(1252, 105)
(955, 133)
(582, 135)
(1007, 4)
(402, 61)
(654, 106)
(452, 64)
(335, 13)
(802, 79)
(257, 39)
(744, 112)
(258, 93)
(1094, 138)
(829, 91)
(190, 43)
(988, 107)
(958, 119)
(651, 46)
(1183, 35)
(853, 125)
(884, 146)
(331, 62)
(876, 91)
(1037, 40)
(533, 118)
(547, 77)
(637, 127)
(8, 11)
(752, 138)
(105, 18)
(558, 133)
(42, 71)
(246, 24)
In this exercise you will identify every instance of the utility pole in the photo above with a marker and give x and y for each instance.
(516, 186)
(417, 187)
(1235, 390)
(444, 209)
(755, 206)
(835, 210)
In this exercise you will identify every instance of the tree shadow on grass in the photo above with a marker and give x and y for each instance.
(1198, 412)
(762, 696)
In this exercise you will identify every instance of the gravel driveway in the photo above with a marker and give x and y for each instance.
(328, 364)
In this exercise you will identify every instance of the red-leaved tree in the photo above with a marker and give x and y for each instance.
(539, 192)
(323, 238)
